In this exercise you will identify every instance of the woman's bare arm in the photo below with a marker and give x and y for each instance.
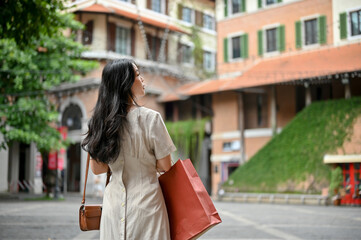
(164, 164)
(98, 167)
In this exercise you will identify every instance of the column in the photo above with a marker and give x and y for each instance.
(175, 112)
(241, 127)
(273, 111)
(34, 174)
(4, 167)
(308, 94)
(14, 167)
(346, 82)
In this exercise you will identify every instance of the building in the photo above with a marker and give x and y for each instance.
(274, 58)
(158, 35)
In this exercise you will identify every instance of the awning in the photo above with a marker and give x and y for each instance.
(288, 68)
(328, 159)
(99, 8)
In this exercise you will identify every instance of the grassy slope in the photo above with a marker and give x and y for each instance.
(298, 150)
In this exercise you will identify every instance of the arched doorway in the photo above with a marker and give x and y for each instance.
(72, 119)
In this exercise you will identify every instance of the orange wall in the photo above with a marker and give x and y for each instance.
(352, 145)
(250, 23)
(253, 145)
(286, 104)
(225, 108)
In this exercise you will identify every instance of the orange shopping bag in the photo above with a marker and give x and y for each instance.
(190, 209)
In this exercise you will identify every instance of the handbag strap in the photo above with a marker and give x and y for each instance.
(109, 173)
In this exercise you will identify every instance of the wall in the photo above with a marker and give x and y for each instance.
(225, 109)
(353, 144)
(250, 23)
(286, 104)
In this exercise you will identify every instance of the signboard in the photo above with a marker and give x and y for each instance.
(58, 157)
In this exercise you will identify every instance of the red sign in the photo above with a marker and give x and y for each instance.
(60, 155)
(52, 160)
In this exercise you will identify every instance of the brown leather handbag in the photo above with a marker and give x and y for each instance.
(89, 215)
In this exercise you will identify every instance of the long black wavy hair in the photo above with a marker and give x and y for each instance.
(107, 124)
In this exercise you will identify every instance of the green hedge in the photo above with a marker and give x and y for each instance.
(297, 152)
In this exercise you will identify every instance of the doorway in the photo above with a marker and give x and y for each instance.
(73, 168)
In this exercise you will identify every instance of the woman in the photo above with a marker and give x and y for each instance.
(134, 143)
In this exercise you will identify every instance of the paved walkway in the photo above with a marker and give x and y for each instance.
(59, 220)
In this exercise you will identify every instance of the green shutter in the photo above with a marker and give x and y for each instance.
(281, 38)
(259, 3)
(260, 42)
(343, 25)
(298, 34)
(322, 30)
(243, 6)
(225, 49)
(279, 1)
(225, 8)
(244, 46)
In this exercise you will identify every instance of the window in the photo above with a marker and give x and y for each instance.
(271, 40)
(156, 6)
(185, 54)
(208, 61)
(311, 32)
(259, 110)
(355, 23)
(234, 7)
(72, 117)
(122, 42)
(270, 2)
(208, 22)
(187, 14)
(236, 47)
(88, 33)
(267, 2)
(231, 146)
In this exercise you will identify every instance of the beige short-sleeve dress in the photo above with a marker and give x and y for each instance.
(133, 203)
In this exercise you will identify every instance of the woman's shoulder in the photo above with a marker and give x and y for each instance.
(148, 112)
(146, 115)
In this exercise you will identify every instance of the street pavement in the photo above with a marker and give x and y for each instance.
(59, 220)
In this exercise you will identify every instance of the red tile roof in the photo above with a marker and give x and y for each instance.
(287, 68)
(99, 8)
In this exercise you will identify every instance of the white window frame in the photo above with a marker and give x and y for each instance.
(129, 46)
(229, 2)
(264, 29)
(162, 6)
(193, 17)
(303, 31)
(213, 22)
(264, 3)
(213, 53)
(230, 47)
(191, 63)
(348, 22)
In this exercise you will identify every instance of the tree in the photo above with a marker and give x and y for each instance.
(35, 56)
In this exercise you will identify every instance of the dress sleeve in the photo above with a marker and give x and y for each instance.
(160, 141)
